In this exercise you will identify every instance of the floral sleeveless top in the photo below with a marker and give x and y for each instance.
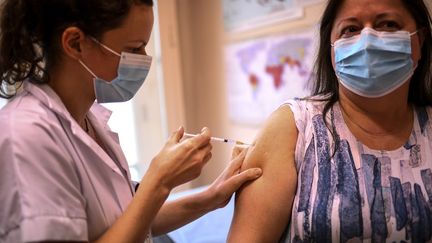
(359, 194)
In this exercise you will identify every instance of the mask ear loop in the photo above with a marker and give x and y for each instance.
(106, 47)
(413, 33)
(87, 68)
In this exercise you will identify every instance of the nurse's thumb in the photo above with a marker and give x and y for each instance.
(177, 135)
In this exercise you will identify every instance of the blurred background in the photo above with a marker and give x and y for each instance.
(223, 64)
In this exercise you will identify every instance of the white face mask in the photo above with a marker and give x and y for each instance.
(131, 74)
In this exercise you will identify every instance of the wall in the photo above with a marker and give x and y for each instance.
(205, 90)
(2, 102)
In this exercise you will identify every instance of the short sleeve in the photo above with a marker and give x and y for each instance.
(299, 110)
(39, 183)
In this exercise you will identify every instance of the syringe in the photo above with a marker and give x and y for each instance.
(222, 140)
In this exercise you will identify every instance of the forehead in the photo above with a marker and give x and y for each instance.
(139, 21)
(136, 26)
(370, 9)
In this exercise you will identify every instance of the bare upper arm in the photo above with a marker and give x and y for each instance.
(263, 207)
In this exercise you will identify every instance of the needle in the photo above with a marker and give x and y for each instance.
(222, 140)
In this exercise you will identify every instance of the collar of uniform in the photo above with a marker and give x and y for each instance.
(98, 114)
(103, 114)
(49, 97)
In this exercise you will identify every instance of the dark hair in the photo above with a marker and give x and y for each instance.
(326, 82)
(31, 30)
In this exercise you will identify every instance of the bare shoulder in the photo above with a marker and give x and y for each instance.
(276, 139)
(273, 151)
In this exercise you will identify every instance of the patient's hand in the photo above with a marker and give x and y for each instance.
(231, 179)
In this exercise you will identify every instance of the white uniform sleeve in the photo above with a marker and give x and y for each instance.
(39, 187)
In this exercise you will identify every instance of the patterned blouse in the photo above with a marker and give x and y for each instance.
(359, 194)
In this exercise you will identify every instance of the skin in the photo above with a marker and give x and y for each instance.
(263, 207)
(178, 161)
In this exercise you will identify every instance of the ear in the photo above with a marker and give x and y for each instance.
(72, 41)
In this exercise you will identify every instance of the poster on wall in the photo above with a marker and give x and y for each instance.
(263, 73)
(242, 15)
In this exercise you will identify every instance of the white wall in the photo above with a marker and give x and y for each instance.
(2, 102)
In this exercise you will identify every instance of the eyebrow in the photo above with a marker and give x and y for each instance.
(378, 17)
(387, 14)
(349, 19)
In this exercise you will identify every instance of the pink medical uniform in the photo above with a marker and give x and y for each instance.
(57, 183)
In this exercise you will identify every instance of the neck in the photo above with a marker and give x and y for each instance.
(75, 91)
(378, 116)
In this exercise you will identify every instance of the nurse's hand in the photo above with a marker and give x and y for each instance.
(176, 213)
(231, 179)
(180, 162)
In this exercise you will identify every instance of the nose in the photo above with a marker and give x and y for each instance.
(368, 25)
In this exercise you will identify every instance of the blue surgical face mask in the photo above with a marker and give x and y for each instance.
(131, 73)
(373, 64)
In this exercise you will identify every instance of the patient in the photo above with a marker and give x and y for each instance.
(364, 173)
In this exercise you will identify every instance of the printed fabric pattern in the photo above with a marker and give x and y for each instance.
(359, 194)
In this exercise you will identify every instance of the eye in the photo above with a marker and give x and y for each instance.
(137, 50)
(350, 31)
(388, 26)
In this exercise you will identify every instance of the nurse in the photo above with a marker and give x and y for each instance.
(63, 176)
